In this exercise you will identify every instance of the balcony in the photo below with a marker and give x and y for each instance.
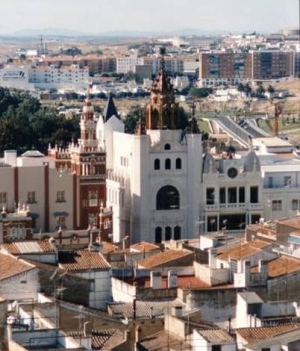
(234, 207)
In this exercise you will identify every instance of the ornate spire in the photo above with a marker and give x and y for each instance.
(162, 112)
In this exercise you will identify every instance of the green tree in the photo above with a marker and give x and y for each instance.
(135, 113)
(200, 92)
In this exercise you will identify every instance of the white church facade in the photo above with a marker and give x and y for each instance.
(154, 180)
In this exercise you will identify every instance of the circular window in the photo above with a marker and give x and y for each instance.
(232, 172)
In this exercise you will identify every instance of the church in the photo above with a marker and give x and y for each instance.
(154, 175)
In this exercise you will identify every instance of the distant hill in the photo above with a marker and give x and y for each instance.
(60, 32)
(48, 32)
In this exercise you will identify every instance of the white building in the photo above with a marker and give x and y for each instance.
(44, 77)
(154, 183)
(127, 63)
(64, 77)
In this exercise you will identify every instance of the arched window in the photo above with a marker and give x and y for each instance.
(178, 163)
(167, 163)
(177, 233)
(158, 235)
(167, 147)
(155, 119)
(156, 164)
(168, 233)
(167, 198)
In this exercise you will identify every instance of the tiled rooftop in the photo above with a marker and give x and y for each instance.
(82, 260)
(292, 222)
(281, 266)
(27, 247)
(216, 336)
(262, 333)
(143, 246)
(184, 282)
(244, 250)
(162, 258)
(142, 308)
(99, 337)
(10, 266)
(164, 341)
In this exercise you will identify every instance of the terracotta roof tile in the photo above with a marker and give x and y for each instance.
(10, 266)
(163, 258)
(99, 337)
(283, 265)
(292, 222)
(82, 260)
(27, 247)
(216, 336)
(144, 246)
(244, 250)
(262, 333)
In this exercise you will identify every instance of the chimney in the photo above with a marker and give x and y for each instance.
(151, 312)
(190, 302)
(155, 280)
(212, 253)
(172, 279)
(177, 311)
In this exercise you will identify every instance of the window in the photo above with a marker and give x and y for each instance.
(60, 196)
(31, 197)
(168, 233)
(242, 195)
(210, 196)
(232, 195)
(3, 198)
(177, 233)
(61, 222)
(156, 164)
(216, 348)
(107, 223)
(287, 181)
(178, 163)
(222, 196)
(276, 205)
(167, 147)
(158, 235)
(295, 205)
(254, 194)
(167, 198)
(167, 163)
(93, 198)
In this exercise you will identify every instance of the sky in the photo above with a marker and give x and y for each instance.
(98, 16)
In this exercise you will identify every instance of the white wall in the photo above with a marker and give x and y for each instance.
(21, 286)
(101, 293)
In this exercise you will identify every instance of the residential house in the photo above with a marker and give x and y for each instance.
(18, 278)
(92, 266)
(246, 336)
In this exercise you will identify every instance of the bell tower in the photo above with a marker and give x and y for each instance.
(88, 163)
(162, 111)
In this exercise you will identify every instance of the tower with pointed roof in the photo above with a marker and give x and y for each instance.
(88, 164)
(162, 111)
(108, 123)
